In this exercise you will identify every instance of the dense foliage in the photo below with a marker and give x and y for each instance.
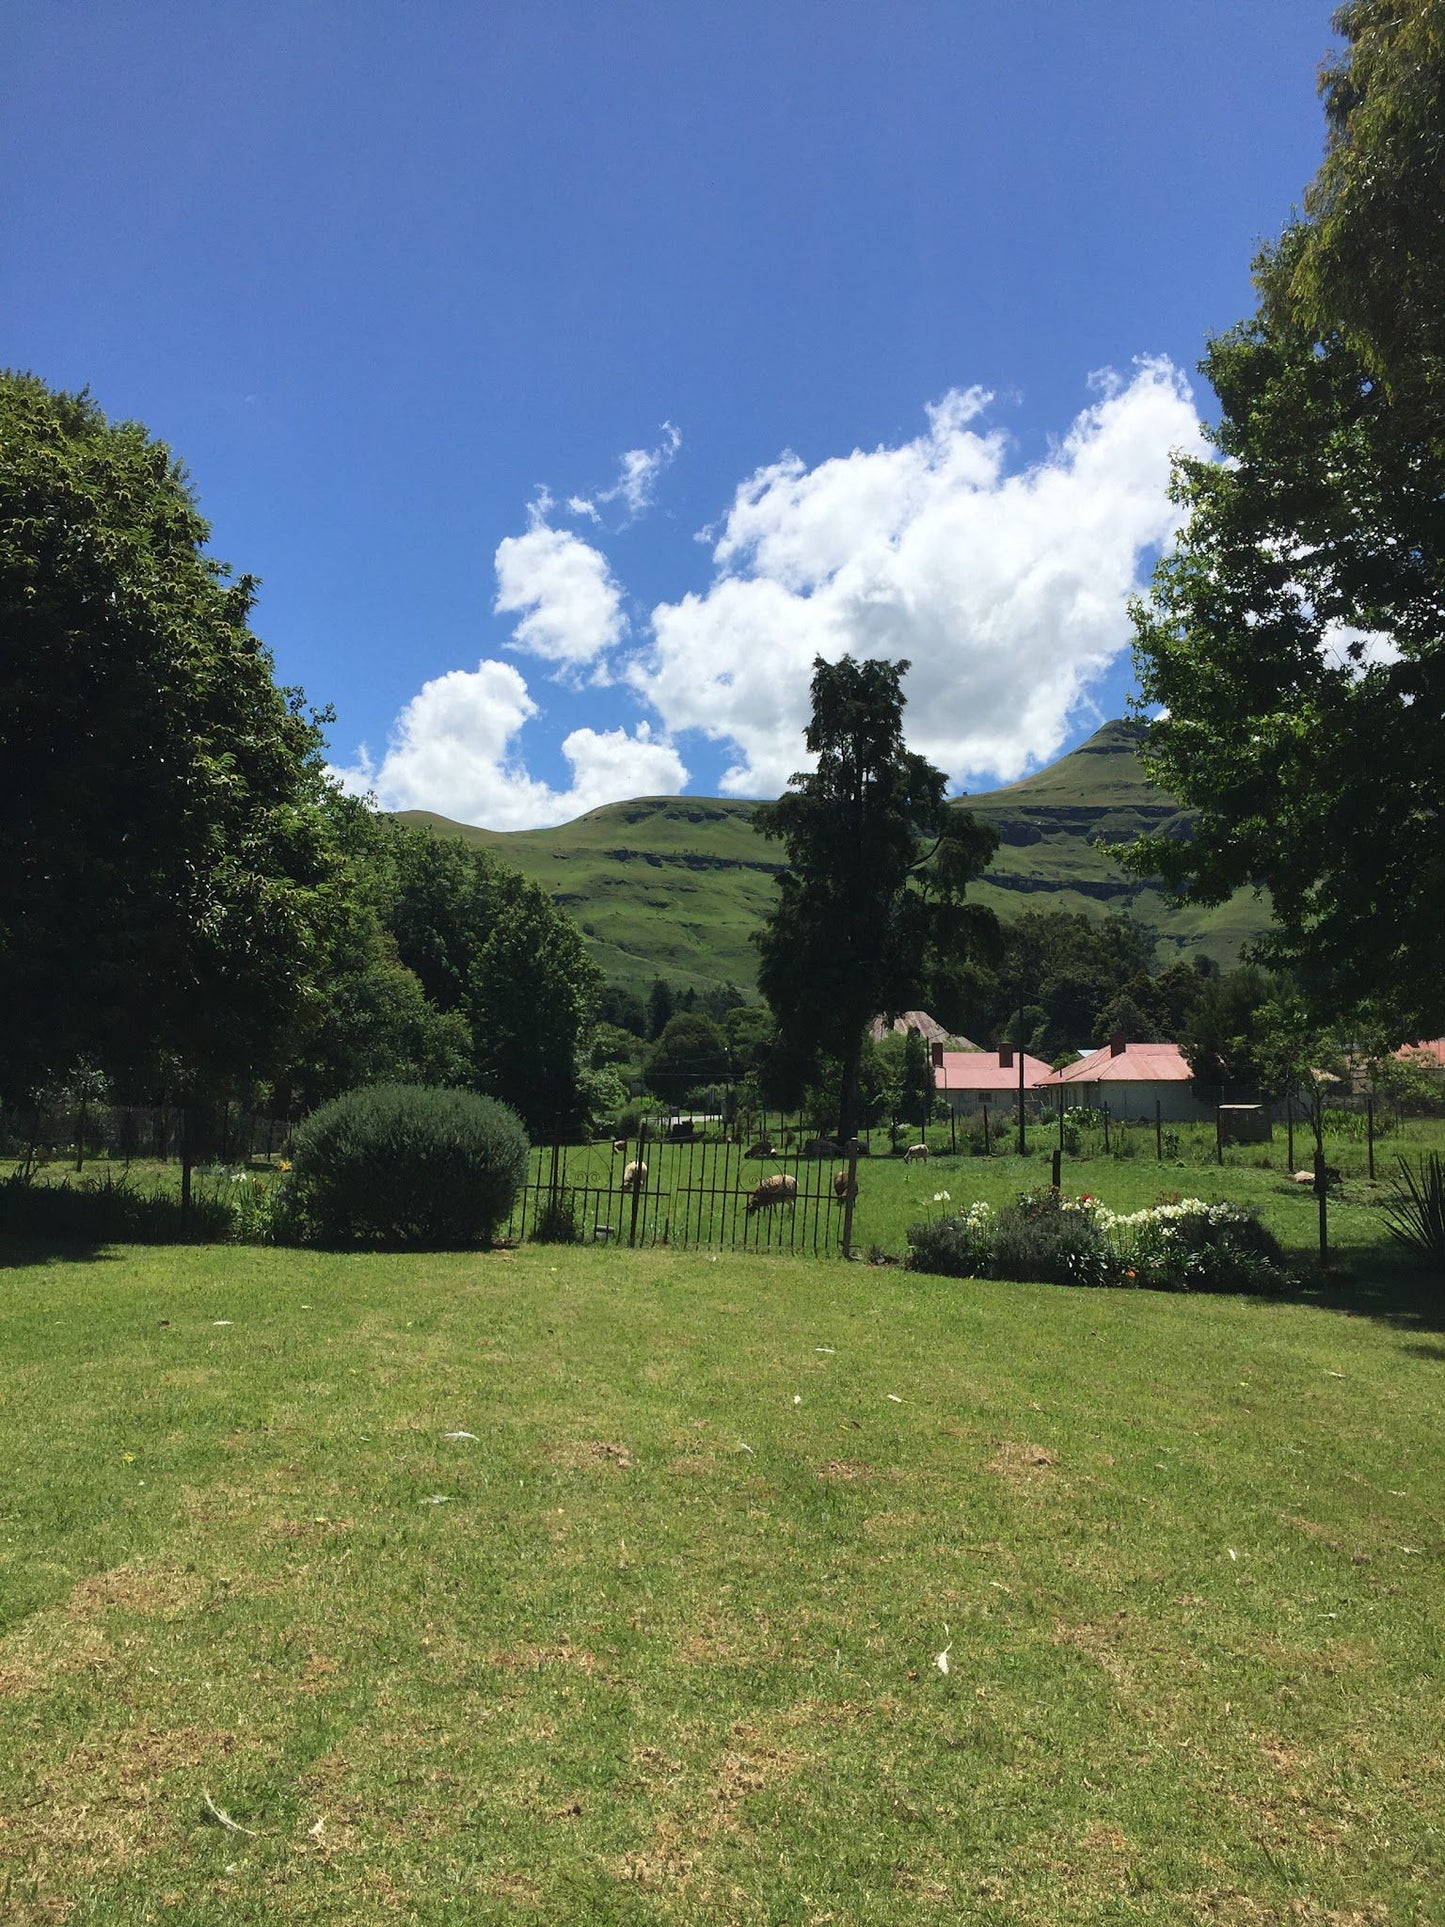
(1296, 635)
(189, 911)
(166, 872)
(407, 1166)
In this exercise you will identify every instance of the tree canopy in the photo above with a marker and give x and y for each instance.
(188, 907)
(870, 911)
(166, 869)
(1295, 637)
(1370, 261)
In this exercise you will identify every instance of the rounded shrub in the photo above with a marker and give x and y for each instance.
(406, 1166)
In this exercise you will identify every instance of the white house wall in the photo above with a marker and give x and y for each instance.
(1177, 1102)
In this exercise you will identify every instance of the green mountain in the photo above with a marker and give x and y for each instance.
(674, 885)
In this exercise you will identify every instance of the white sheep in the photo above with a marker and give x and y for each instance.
(780, 1188)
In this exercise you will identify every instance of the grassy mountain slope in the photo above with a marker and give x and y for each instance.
(673, 885)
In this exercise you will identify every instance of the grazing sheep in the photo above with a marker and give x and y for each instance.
(619, 1145)
(780, 1188)
(845, 1189)
(916, 1153)
(634, 1178)
(762, 1149)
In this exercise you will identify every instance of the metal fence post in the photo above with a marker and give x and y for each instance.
(850, 1198)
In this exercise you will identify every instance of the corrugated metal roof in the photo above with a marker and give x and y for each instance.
(1135, 1064)
(980, 1070)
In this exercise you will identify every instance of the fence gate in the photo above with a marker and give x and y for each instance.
(695, 1194)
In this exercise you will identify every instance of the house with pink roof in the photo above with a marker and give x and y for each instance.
(969, 1079)
(1131, 1079)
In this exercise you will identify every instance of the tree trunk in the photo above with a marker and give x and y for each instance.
(848, 1091)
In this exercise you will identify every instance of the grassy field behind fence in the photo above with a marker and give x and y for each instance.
(619, 1587)
(893, 1195)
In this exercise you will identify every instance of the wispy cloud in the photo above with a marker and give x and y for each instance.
(638, 472)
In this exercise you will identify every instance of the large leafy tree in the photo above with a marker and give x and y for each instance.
(1295, 637)
(532, 1003)
(870, 909)
(690, 1051)
(166, 868)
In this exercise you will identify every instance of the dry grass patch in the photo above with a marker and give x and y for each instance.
(1019, 1460)
(695, 1467)
(587, 1455)
(842, 1471)
(531, 1659)
(683, 1837)
(161, 1591)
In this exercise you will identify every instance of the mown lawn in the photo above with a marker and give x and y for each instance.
(660, 1642)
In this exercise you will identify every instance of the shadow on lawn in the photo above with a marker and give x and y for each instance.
(1392, 1291)
(22, 1254)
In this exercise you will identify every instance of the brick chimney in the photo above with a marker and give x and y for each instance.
(1117, 1043)
(1006, 1057)
(937, 1053)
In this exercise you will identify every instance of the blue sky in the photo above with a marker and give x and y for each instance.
(451, 305)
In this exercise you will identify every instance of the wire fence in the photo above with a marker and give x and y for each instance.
(221, 1134)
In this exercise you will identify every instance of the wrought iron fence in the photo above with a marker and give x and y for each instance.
(700, 1192)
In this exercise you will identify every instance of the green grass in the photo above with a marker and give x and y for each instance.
(676, 885)
(893, 1195)
(666, 1652)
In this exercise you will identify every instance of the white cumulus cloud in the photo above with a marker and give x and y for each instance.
(1007, 592)
(454, 750)
(564, 591)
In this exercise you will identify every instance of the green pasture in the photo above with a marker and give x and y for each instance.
(664, 1638)
(697, 1195)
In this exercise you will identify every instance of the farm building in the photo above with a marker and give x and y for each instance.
(969, 1079)
(1131, 1079)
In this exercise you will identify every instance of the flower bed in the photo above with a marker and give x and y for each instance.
(1180, 1244)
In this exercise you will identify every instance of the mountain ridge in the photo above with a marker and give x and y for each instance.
(674, 885)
